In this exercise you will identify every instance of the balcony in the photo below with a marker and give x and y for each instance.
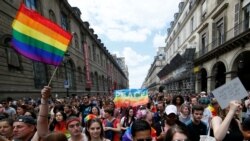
(237, 36)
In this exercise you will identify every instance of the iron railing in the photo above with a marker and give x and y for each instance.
(230, 34)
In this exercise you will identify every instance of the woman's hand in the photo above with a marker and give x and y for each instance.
(45, 92)
(234, 105)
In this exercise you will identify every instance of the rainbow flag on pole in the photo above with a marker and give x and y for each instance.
(130, 97)
(38, 38)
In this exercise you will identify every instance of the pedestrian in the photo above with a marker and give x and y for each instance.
(94, 130)
(226, 126)
(196, 126)
(141, 131)
(177, 133)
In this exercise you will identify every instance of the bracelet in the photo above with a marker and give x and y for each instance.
(44, 103)
(42, 116)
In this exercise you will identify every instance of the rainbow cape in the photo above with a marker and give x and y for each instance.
(38, 38)
(130, 97)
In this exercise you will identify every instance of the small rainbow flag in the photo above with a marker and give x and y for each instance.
(130, 97)
(38, 38)
(89, 117)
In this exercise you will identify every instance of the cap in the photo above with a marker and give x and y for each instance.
(26, 119)
(171, 109)
(204, 100)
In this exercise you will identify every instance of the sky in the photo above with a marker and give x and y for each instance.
(133, 29)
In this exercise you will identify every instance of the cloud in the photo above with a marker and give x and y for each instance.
(159, 40)
(137, 65)
(127, 20)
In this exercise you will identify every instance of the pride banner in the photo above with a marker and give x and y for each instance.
(130, 97)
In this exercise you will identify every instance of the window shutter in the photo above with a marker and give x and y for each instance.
(236, 19)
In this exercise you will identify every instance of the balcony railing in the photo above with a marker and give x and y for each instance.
(230, 34)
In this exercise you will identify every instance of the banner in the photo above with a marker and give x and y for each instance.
(130, 97)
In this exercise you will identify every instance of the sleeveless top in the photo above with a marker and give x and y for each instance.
(233, 132)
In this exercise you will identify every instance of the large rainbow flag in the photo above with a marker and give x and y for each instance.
(38, 38)
(130, 97)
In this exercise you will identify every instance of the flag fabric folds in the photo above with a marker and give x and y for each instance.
(38, 38)
(130, 97)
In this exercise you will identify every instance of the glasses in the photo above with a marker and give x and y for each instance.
(74, 125)
(147, 139)
(182, 140)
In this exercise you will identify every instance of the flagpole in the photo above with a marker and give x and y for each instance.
(53, 75)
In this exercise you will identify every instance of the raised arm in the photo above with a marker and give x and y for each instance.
(42, 120)
(220, 127)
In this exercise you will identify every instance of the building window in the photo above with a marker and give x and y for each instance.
(220, 31)
(236, 19)
(204, 43)
(13, 59)
(203, 9)
(94, 53)
(76, 41)
(70, 73)
(40, 74)
(80, 74)
(246, 15)
(52, 16)
(64, 21)
(31, 4)
(192, 24)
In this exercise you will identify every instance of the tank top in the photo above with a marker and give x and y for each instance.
(233, 132)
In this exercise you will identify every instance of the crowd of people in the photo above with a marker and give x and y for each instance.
(166, 117)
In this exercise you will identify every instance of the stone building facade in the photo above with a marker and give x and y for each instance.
(88, 67)
(219, 33)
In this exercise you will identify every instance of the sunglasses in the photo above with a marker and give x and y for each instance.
(147, 139)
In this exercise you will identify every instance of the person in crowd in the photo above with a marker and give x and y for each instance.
(141, 131)
(6, 128)
(24, 128)
(160, 112)
(207, 115)
(59, 123)
(194, 101)
(247, 105)
(96, 111)
(226, 126)
(55, 136)
(9, 110)
(203, 94)
(2, 110)
(74, 127)
(21, 109)
(68, 111)
(185, 113)
(177, 133)
(127, 120)
(196, 126)
(111, 125)
(85, 108)
(246, 129)
(30, 113)
(214, 107)
(178, 100)
(94, 130)
(170, 119)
